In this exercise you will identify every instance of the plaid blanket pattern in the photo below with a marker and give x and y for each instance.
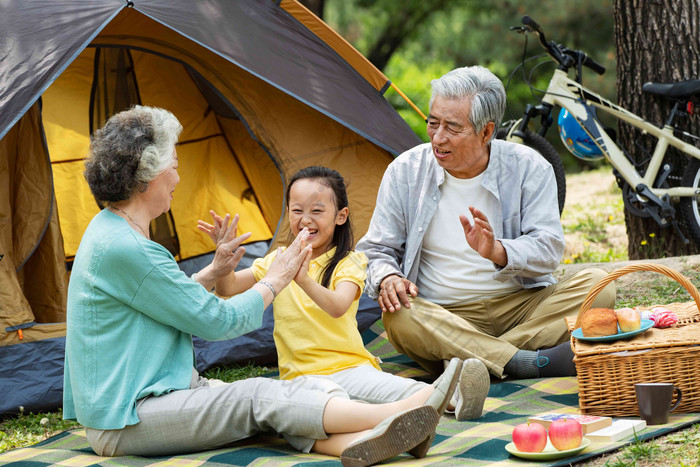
(479, 442)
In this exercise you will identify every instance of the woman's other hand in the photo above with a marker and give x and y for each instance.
(287, 263)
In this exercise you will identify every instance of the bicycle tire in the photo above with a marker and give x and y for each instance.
(546, 150)
(690, 206)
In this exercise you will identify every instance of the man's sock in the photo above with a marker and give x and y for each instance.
(556, 361)
(523, 365)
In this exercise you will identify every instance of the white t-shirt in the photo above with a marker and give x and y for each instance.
(450, 271)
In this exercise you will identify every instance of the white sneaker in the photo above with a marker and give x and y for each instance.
(391, 437)
(472, 389)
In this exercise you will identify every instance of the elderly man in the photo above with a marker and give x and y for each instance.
(463, 241)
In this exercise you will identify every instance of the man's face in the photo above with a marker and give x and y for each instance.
(456, 146)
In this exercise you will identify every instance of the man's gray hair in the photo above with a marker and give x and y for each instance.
(481, 87)
(129, 151)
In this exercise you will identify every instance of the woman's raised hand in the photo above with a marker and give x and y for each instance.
(287, 263)
(228, 246)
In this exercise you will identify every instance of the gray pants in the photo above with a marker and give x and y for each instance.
(368, 384)
(209, 416)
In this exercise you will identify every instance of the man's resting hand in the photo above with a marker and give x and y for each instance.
(394, 291)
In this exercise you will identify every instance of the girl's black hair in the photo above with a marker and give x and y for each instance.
(342, 236)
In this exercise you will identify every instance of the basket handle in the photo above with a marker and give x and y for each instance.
(678, 277)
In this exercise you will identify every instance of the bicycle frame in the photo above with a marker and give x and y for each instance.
(579, 101)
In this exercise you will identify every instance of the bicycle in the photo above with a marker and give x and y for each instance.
(646, 186)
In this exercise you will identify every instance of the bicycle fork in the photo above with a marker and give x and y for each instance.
(544, 111)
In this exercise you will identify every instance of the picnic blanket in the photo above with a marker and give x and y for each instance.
(478, 442)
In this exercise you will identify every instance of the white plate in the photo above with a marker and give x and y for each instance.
(549, 453)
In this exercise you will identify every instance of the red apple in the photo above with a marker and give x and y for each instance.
(530, 437)
(565, 434)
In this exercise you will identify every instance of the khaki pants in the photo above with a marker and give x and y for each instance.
(492, 330)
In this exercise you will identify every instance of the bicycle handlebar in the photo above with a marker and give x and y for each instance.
(565, 57)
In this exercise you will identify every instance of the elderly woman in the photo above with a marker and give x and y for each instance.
(129, 370)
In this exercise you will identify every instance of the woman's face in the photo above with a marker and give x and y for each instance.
(160, 190)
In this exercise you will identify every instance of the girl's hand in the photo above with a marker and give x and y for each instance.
(303, 274)
(218, 230)
(287, 263)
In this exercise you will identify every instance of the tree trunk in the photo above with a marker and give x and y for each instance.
(315, 6)
(657, 41)
(401, 26)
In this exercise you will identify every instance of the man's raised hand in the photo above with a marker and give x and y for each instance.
(481, 238)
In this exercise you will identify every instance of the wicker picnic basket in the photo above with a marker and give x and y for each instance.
(607, 371)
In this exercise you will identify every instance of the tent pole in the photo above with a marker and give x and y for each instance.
(409, 101)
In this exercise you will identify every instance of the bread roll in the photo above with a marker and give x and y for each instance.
(629, 319)
(598, 322)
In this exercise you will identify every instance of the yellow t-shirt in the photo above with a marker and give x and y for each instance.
(308, 340)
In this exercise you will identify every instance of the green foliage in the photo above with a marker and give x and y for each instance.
(414, 81)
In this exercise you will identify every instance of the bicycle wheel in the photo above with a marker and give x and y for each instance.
(546, 150)
(690, 206)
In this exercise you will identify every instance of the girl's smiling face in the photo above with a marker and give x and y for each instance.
(312, 205)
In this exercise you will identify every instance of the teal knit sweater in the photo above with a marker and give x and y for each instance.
(131, 316)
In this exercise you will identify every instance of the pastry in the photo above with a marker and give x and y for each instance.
(598, 322)
(629, 319)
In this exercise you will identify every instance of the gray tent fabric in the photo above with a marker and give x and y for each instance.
(35, 382)
(38, 41)
(41, 38)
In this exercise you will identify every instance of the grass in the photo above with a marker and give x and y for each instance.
(677, 449)
(592, 224)
(651, 288)
(236, 373)
(593, 219)
(28, 428)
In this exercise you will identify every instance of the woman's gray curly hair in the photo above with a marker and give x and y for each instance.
(129, 151)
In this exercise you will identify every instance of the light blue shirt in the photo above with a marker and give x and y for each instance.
(131, 316)
(521, 180)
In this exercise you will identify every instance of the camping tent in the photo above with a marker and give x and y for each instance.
(262, 88)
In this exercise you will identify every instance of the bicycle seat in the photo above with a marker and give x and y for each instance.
(680, 90)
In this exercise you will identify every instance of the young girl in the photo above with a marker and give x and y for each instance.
(315, 315)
